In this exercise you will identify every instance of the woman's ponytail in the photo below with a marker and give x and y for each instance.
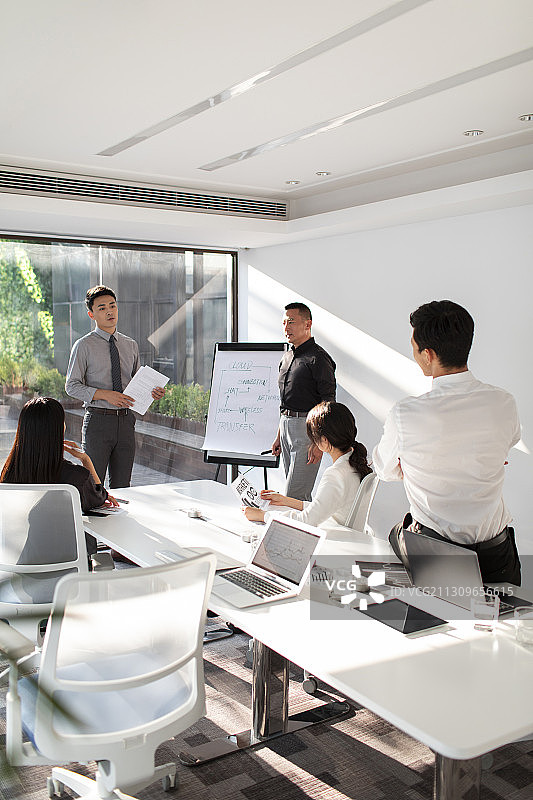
(335, 422)
(359, 460)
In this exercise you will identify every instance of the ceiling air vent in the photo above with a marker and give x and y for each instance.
(73, 187)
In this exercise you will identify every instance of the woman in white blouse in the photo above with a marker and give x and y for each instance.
(331, 427)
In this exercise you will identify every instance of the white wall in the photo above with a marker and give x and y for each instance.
(362, 287)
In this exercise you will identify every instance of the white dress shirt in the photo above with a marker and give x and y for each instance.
(452, 444)
(334, 496)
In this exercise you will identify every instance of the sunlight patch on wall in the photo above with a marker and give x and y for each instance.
(373, 373)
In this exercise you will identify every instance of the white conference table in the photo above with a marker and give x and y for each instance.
(461, 692)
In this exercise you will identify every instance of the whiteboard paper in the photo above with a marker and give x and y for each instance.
(244, 404)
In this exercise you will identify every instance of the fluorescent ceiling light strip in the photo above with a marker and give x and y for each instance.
(382, 17)
(384, 105)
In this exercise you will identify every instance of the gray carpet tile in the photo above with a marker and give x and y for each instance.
(360, 757)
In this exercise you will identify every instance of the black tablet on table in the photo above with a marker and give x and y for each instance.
(402, 617)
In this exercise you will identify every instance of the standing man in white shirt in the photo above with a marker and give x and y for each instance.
(101, 364)
(450, 446)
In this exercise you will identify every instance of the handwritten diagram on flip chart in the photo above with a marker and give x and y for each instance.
(244, 405)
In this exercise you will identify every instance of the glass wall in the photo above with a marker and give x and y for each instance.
(175, 303)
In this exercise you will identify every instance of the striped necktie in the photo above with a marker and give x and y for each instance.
(115, 365)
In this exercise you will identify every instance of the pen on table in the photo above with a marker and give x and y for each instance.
(120, 500)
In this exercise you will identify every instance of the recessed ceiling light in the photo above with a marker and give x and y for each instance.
(473, 133)
(526, 118)
(323, 173)
(292, 183)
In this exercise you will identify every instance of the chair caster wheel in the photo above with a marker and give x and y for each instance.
(310, 685)
(54, 788)
(234, 628)
(169, 782)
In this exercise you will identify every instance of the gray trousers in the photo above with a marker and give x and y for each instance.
(294, 441)
(109, 441)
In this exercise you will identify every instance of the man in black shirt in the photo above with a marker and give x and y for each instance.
(306, 378)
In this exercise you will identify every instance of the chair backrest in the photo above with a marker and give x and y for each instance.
(122, 663)
(360, 510)
(41, 540)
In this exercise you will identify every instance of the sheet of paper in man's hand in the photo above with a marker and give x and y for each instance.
(248, 494)
(141, 385)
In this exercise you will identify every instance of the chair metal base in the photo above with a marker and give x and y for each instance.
(93, 788)
(85, 788)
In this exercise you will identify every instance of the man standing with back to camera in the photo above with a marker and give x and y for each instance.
(306, 378)
(101, 364)
(450, 446)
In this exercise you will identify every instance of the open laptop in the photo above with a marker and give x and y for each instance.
(450, 572)
(278, 569)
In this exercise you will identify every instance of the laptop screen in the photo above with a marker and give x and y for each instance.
(443, 568)
(285, 551)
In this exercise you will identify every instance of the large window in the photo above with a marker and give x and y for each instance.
(176, 303)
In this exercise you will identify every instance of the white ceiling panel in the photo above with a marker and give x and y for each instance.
(135, 62)
(418, 130)
(80, 77)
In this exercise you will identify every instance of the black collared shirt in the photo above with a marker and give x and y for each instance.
(306, 377)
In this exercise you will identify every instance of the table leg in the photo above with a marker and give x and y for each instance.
(270, 695)
(457, 780)
(270, 718)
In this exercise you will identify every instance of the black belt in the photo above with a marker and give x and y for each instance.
(477, 546)
(117, 412)
(287, 412)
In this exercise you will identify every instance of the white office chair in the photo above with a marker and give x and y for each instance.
(360, 510)
(41, 540)
(121, 672)
(358, 520)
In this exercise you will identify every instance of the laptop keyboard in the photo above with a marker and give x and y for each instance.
(252, 583)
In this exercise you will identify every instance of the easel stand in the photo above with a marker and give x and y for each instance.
(237, 460)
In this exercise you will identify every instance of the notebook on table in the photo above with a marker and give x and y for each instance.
(450, 572)
(277, 570)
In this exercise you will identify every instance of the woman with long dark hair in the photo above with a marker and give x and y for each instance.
(331, 427)
(38, 449)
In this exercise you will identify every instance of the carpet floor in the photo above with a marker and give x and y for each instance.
(360, 757)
